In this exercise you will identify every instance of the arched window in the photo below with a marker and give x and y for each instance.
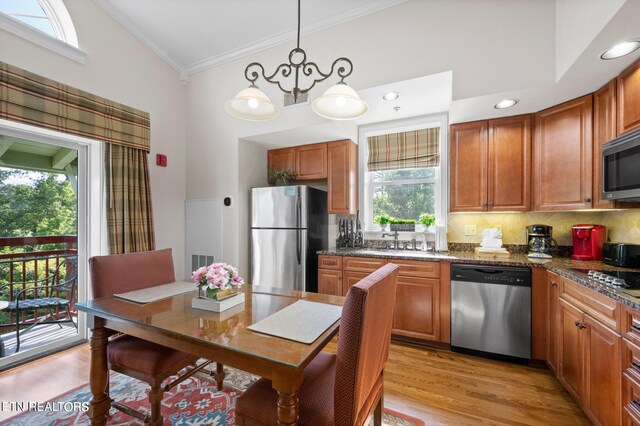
(48, 16)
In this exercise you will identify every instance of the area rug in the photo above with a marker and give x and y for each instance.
(195, 401)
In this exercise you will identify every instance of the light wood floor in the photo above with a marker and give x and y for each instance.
(437, 386)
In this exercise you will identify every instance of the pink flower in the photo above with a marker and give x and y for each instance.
(217, 276)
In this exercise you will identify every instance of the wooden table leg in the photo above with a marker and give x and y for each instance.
(287, 385)
(99, 379)
(219, 376)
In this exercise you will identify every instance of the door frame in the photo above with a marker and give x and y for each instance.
(91, 231)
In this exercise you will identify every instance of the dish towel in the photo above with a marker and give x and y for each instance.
(491, 238)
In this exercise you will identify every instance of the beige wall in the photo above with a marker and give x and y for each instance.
(121, 68)
(622, 226)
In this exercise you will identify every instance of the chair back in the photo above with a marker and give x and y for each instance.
(67, 281)
(363, 343)
(120, 273)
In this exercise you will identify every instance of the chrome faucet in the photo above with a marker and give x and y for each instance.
(395, 236)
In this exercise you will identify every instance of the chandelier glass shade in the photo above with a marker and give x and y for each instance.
(339, 102)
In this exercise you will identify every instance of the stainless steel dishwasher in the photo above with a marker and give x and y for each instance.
(491, 311)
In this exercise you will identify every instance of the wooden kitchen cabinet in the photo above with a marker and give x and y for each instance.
(330, 282)
(417, 312)
(491, 165)
(342, 177)
(570, 350)
(468, 151)
(281, 159)
(311, 161)
(350, 278)
(601, 401)
(552, 309)
(604, 130)
(562, 156)
(628, 107)
(587, 324)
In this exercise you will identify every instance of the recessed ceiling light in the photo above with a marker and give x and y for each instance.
(391, 96)
(621, 49)
(506, 103)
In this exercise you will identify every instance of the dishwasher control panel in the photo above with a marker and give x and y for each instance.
(491, 274)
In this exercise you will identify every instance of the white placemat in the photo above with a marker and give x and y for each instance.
(302, 321)
(151, 294)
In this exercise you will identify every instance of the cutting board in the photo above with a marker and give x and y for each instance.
(495, 254)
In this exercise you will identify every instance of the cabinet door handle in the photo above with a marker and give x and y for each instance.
(587, 200)
(634, 366)
(636, 404)
(635, 328)
(490, 203)
(553, 284)
(580, 325)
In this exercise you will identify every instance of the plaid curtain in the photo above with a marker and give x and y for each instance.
(407, 150)
(32, 99)
(29, 98)
(129, 214)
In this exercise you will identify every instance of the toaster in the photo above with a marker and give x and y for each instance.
(621, 254)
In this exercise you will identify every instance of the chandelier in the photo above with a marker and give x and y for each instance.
(339, 102)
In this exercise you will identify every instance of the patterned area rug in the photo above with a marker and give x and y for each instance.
(193, 402)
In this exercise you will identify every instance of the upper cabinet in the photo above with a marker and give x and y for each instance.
(281, 159)
(309, 162)
(337, 162)
(562, 156)
(342, 177)
(604, 130)
(491, 165)
(629, 99)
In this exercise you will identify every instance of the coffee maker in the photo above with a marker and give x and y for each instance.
(587, 241)
(539, 241)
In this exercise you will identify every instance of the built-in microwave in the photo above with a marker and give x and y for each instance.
(621, 168)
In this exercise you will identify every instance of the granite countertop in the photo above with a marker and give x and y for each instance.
(560, 265)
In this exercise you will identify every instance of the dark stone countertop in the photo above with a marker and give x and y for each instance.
(562, 266)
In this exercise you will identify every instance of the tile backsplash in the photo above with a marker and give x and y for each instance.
(622, 226)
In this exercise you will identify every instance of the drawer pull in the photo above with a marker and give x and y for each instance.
(634, 366)
(554, 284)
(636, 404)
(329, 262)
(580, 325)
(635, 328)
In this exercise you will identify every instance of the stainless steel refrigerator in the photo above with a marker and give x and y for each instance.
(288, 227)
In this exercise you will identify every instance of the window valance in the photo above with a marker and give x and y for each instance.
(406, 150)
(32, 99)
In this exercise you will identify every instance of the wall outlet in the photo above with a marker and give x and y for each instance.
(470, 230)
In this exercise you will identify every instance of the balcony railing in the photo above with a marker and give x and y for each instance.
(39, 257)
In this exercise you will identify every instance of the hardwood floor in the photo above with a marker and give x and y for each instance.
(438, 386)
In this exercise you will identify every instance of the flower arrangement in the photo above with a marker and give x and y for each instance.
(216, 278)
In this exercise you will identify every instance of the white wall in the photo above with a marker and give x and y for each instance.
(381, 53)
(252, 172)
(119, 67)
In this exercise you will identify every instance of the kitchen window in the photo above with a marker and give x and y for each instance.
(395, 181)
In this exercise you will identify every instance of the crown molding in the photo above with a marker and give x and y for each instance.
(116, 14)
(41, 38)
(368, 8)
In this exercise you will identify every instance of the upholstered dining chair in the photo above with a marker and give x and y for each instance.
(340, 389)
(146, 361)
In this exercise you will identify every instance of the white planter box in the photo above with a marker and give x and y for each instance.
(217, 306)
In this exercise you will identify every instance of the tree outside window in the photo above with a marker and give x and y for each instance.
(403, 193)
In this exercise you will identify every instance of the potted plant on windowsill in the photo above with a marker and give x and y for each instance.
(403, 225)
(428, 220)
(383, 221)
(282, 177)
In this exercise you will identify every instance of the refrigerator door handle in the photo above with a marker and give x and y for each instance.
(298, 223)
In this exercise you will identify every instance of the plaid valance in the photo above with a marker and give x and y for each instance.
(407, 150)
(32, 99)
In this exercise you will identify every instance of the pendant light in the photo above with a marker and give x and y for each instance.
(339, 102)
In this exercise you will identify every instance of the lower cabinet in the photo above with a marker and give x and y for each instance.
(422, 308)
(417, 313)
(589, 353)
(330, 282)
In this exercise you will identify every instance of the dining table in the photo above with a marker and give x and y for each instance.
(223, 337)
